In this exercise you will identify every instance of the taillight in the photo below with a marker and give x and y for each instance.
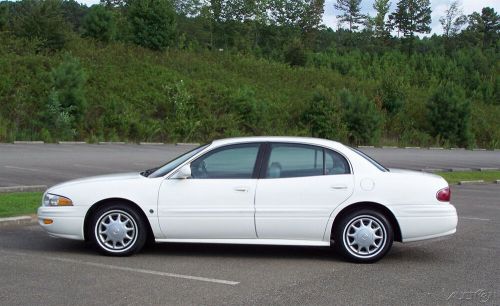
(444, 195)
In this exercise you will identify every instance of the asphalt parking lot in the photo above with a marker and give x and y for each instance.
(49, 164)
(461, 269)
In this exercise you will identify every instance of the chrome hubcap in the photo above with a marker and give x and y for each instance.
(116, 230)
(365, 236)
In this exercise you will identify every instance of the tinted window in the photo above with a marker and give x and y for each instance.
(236, 161)
(335, 163)
(289, 160)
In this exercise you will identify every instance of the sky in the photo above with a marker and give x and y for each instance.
(438, 8)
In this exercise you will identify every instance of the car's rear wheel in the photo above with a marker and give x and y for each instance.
(363, 236)
(118, 230)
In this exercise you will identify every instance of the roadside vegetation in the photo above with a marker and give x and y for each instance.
(455, 177)
(19, 203)
(188, 70)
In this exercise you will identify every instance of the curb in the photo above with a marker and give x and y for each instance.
(23, 188)
(433, 170)
(17, 220)
(486, 169)
(111, 142)
(478, 149)
(366, 147)
(459, 169)
(389, 147)
(28, 142)
(187, 144)
(436, 148)
(471, 182)
(412, 147)
(497, 182)
(71, 142)
(151, 143)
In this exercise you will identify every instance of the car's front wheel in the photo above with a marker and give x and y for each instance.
(363, 236)
(118, 230)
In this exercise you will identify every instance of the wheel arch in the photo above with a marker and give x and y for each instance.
(110, 201)
(370, 205)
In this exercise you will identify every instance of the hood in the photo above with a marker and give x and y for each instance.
(107, 177)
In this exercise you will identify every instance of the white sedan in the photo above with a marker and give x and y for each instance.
(256, 190)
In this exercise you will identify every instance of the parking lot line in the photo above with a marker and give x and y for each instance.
(474, 218)
(128, 269)
(22, 168)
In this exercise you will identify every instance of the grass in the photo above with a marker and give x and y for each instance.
(19, 203)
(455, 177)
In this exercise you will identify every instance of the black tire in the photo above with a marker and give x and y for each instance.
(122, 238)
(363, 245)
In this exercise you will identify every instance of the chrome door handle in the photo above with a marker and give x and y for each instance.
(338, 187)
(241, 189)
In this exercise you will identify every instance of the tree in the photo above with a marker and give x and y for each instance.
(287, 13)
(295, 54)
(66, 104)
(412, 16)
(3, 16)
(41, 20)
(380, 28)
(99, 23)
(361, 116)
(324, 116)
(487, 25)
(453, 20)
(73, 12)
(351, 13)
(113, 3)
(188, 7)
(450, 114)
(153, 23)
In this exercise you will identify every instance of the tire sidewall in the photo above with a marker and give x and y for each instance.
(140, 235)
(342, 248)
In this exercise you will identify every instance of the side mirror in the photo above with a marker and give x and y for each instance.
(184, 172)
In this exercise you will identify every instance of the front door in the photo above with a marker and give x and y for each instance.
(218, 201)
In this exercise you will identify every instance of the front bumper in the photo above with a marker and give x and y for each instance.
(67, 221)
(419, 222)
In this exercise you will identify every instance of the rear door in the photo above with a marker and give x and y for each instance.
(300, 187)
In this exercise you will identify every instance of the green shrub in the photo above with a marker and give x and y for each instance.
(99, 23)
(66, 103)
(362, 117)
(153, 23)
(42, 20)
(450, 115)
(323, 116)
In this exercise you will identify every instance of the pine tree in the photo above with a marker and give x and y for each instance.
(412, 16)
(382, 8)
(153, 23)
(486, 25)
(99, 23)
(351, 10)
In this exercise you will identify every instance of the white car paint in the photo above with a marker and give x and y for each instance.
(288, 211)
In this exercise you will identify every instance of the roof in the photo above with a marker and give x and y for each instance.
(305, 140)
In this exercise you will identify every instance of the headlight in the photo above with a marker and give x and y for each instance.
(56, 200)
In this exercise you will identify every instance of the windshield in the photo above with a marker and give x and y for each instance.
(171, 165)
(371, 160)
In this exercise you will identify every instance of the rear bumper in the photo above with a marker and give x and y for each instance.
(419, 222)
(67, 222)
